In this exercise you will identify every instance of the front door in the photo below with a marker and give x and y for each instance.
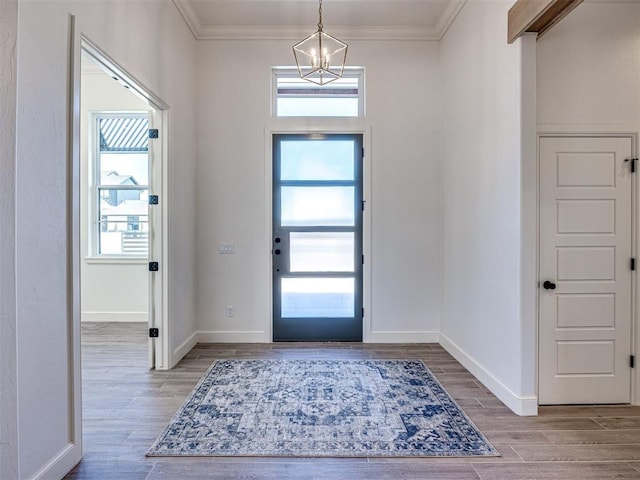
(317, 237)
(585, 270)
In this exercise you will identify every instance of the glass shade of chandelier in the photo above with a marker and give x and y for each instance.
(320, 58)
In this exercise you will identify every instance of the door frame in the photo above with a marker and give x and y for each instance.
(358, 273)
(635, 247)
(328, 126)
(159, 351)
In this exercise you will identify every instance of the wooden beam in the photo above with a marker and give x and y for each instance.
(537, 16)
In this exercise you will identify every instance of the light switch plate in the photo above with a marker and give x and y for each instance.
(226, 248)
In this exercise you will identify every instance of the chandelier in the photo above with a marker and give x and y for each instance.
(320, 58)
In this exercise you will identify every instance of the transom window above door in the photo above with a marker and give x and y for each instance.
(295, 97)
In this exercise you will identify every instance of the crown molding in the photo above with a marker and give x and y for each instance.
(229, 32)
(448, 17)
(189, 15)
(257, 32)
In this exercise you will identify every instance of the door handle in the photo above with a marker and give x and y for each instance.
(547, 285)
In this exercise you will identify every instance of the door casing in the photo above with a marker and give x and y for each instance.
(159, 351)
(324, 126)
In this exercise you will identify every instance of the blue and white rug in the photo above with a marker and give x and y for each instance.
(320, 408)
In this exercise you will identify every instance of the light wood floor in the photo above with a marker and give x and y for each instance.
(126, 406)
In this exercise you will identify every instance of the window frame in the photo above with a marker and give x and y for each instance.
(292, 72)
(95, 224)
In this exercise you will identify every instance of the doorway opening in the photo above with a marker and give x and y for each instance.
(121, 212)
(317, 237)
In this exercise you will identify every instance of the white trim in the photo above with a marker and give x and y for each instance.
(287, 32)
(115, 317)
(159, 351)
(291, 33)
(230, 336)
(448, 17)
(568, 129)
(113, 68)
(528, 218)
(161, 120)
(296, 125)
(524, 406)
(116, 260)
(71, 454)
(402, 336)
(94, 168)
(635, 289)
(367, 234)
(184, 348)
(57, 466)
(189, 15)
(268, 224)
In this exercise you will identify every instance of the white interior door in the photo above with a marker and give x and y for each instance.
(585, 270)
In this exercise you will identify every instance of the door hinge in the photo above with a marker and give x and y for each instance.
(632, 361)
(154, 133)
(154, 266)
(362, 152)
(362, 312)
(362, 259)
(154, 199)
(154, 333)
(633, 264)
(363, 204)
(633, 164)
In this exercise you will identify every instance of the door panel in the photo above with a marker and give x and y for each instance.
(317, 237)
(585, 275)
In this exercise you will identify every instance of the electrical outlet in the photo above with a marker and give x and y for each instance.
(226, 248)
(229, 311)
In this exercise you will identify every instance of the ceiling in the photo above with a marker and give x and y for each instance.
(291, 19)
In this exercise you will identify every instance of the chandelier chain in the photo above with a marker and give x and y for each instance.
(320, 15)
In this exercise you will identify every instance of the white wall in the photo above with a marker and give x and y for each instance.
(111, 291)
(483, 117)
(152, 42)
(589, 82)
(589, 70)
(8, 370)
(401, 129)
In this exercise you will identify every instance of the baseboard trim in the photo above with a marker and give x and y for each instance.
(61, 464)
(523, 406)
(381, 336)
(184, 348)
(232, 336)
(115, 317)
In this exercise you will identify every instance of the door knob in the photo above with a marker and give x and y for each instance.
(547, 285)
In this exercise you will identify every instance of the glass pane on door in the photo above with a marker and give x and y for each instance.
(317, 206)
(330, 160)
(318, 297)
(321, 251)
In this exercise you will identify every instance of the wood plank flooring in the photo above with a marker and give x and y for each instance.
(125, 406)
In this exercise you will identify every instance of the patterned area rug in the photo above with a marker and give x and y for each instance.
(320, 408)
